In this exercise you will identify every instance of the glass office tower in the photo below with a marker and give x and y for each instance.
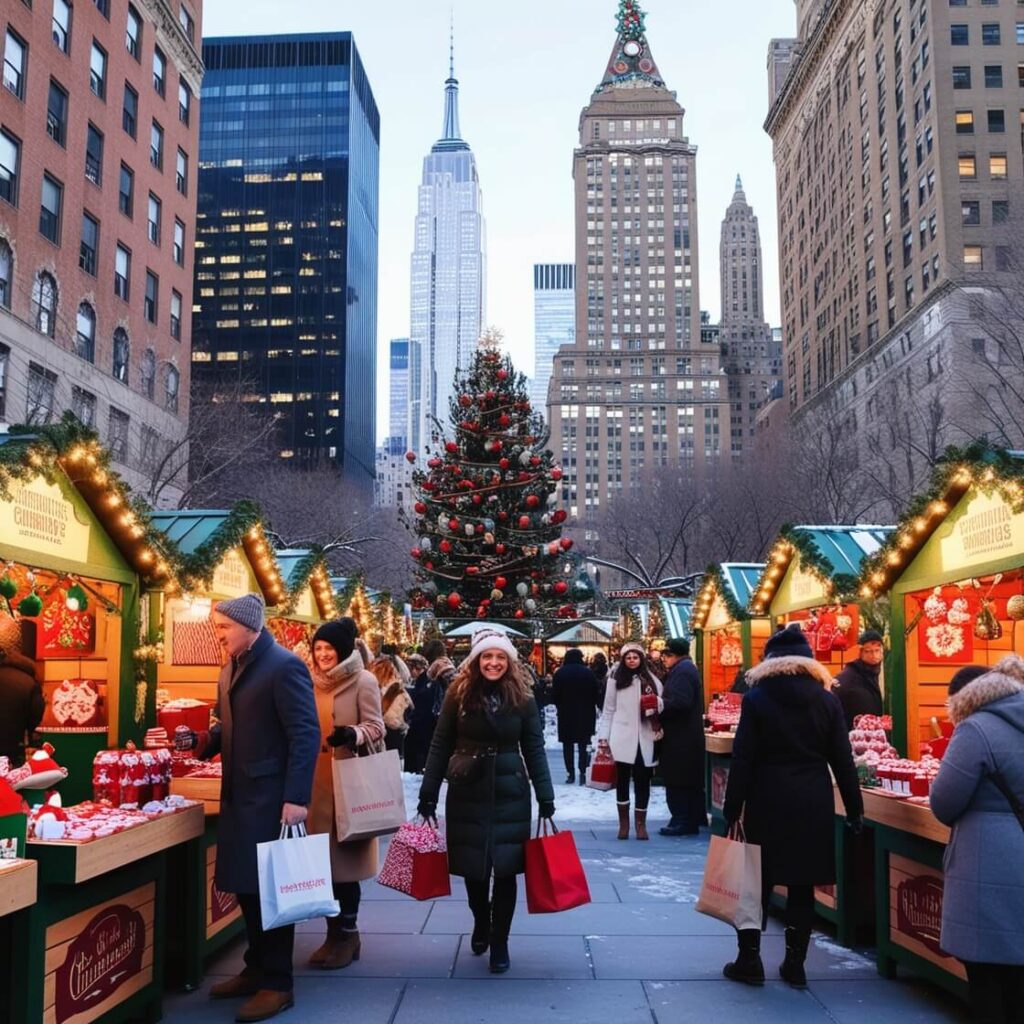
(286, 261)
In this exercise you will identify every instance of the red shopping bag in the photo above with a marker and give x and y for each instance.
(601, 774)
(554, 875)
(417, 863)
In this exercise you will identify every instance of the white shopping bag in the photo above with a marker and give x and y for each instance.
(731, 890)
(295, 878)
(369, 799)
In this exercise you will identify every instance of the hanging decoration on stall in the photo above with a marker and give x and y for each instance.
(194, 643)
(730, 650)
(73, 704)
(986, 624)
(944, 633)
(489, 541)
(289, 633)
(66, 628)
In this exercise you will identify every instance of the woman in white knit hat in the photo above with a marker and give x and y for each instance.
(489, 745)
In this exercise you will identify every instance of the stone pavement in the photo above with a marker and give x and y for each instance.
(638, 953)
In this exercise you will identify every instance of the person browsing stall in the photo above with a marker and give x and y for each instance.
(857, 686)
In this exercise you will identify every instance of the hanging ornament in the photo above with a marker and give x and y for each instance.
(1015, 607)
(496, 594)
(500, 582)
(522, 589)
(410, 457)
(986, 625)
(8, 588)
(532, 501)
(416, 553)
(524, 458)
(503, 464)
(524, 522)
(561, 587)
(531, 606)
(470, 529)
(566, 543)
(556, 473)
(425, 544)
(445, 547)
(420, 508)
(465, 401)
(454, 600)
(30, 606)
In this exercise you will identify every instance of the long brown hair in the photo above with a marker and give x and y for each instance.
(384, 669)
(467, 688)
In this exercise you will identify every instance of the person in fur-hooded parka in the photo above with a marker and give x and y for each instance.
(983, 903)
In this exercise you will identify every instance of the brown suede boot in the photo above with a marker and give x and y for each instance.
(263, 1005)
(317, 957)
(344, 950)
(641, 824)
(234, 988)
(623, 810)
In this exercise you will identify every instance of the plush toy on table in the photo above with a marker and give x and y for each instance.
(40, 771)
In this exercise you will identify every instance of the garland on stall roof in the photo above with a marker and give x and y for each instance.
(991, 470)
(713, 575)
(200, 566)
(343, 598)
(300, 577)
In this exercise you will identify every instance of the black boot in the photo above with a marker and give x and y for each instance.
(747, 966)
(792, 969)
(481, 907)
(502, 910)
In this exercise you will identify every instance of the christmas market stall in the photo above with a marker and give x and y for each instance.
(954, 575)
(728, 640)
(309, 601)
(591, 636)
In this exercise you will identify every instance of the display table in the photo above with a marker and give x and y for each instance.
(909, 846)
(92, 947)
(206, 791)
(17, 887)
(17, 892)
(717, 761)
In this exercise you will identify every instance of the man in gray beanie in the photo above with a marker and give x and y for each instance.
(268, 739)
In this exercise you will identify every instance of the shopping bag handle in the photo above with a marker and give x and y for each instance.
(736, 833)
(287, 830)
(546, 823)
(431, 820)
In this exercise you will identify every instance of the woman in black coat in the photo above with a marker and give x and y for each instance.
(681, 762)
(574, 693)
(791, 731)
(489, 726)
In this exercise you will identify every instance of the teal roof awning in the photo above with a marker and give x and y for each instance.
(189, 529)
(845, 548)
(676, 614)
(589, 631)
(290, 561)
(741, 578)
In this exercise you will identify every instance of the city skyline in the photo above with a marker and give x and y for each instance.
(527, 92)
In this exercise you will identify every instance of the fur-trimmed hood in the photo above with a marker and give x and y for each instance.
(1005, 680)
(439, 668)
(790, 665)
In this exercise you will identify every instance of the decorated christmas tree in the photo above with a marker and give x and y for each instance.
(488, 542)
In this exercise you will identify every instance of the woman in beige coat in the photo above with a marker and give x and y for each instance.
(348, 706)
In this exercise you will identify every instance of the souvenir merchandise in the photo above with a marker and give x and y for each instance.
(40, 771)
(131, 777)
(84, 822)
(73, 704)
(195, 714)
(13, 823)
(65, 629)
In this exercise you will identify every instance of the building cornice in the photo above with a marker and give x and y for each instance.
(180, 49)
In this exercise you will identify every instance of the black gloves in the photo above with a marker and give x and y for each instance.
(343, 736)
(546, 808)
(427, 809)
(855, 825)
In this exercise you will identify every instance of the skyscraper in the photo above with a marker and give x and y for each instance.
(286, 272)
(554, 322)
(448, 268)
(637, 390)
(750, 357)
(398, 410)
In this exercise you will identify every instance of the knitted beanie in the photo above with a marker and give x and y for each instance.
(340, 634)
(788, 643)
(678, 646)
(246, 611)
(491, 640)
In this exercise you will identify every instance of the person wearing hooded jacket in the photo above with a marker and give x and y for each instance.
(21, 697)
(791, 732)
(982, 774)
(348, 707)
(489, 745)
(574, 694)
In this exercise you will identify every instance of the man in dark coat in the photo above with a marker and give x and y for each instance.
(268, 764)
(857, 685)
(682, 747)
(574, 694)
(21, 697)
(791, 732)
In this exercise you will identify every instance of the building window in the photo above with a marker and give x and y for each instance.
(121, 353)
(117, 434)
(176, 316)
(993, 76)
(122, 272)
(49, 208)
(159, 71)
(89, 245)
(133, 33)
(150, 301)
(181, 173)
(126, 191)
(964, 122)
(970, 210)
(962, 77)
(6, 273)
(184, 102)
(42, 390)
(94, 155)
(972, 257)
(85, 333)
(1003, 257)
(83, 406)
(5, 356)
(967, 166)
(156, 146)
(187, 22)
(153, 217)
(130, 113)
(178, 250)
(103, 6)
(10, 158)
(44, 303)
(147, 373)
(15, 59)
(171, 382)
(1000, 211)
(958, 35)
(98, 70)
(57, 114)
(1020, 33)
(990, 34)
(62, 25)
(997, 166)
(996, 121)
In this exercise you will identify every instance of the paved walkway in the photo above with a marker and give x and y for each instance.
(638, 953)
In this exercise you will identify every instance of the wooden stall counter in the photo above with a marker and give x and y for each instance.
(917, 819)
(717, 762)
(17, 886)
(206, 791)
(719, 743)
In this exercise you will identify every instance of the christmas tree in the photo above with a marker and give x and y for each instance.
(361, 611)
(488, 544)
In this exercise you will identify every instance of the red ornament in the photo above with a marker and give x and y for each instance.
(532, 500)
(535, 461)
(453, 524)
(496, 446)
(428, 565)
(502, 374)
(558, 516)
(501, 583)
(420, 507)
(520, 613)
(472, 570)
(481, 612)
(416, 553)
(427, 486)
(524, 476)
(524, 522)
(478, 499)
(504, 420)
(503, 464)
(502, 516)
(556, 473)
(465, 401)
(566, 543)
(410, 456)
(489, 396)
(451, 446)
(561, 587)
(434, 463)
(500, 549)
(445, 546)
(454, 600)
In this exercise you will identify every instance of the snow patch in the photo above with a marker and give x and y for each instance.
(843, 959)
(663, 887)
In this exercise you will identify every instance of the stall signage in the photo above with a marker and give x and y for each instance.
(804, 586)
(40, 518)
(105, 955)
(987, 530)
(231, 577)
(919, 910)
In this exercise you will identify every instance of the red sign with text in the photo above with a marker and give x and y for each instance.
(919, 910)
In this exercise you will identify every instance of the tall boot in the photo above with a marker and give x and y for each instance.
(503, 909)
(641, 823)
(481, 908)
(318, 956)
(792, 968)
(747, 966)
(623, 810)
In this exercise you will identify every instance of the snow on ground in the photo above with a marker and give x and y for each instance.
(843, 959)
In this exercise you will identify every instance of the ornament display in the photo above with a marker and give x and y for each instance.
(73, 704)
(1015, 607)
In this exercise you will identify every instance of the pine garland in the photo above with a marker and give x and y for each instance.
(300, 577)
(714, 577)
(197, 569)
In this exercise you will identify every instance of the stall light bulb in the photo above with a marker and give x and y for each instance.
(146, 556)
(114, 500)
(878, 579)
(920, 524)
(866, 592)
(894, 558)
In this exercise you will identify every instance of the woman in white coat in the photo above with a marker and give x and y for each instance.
(629, 726)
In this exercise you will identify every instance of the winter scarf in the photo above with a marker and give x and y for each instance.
(647, 687)
(343, 674)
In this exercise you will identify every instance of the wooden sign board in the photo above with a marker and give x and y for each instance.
(41, 519)
(984, 530)
(222, 909)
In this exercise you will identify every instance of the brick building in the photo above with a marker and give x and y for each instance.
(98, 141)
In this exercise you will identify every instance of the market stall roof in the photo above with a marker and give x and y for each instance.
(203, 538)
(589, 631)
(470, 628)
(832, 556)
(734, 583)
(676, 613)
(302, 568)
(983, 474)
(66, 456)
(339, 584)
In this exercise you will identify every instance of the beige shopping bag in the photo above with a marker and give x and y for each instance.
(368, 796)
(731, 890)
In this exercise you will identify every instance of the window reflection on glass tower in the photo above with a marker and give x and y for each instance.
(286, 261)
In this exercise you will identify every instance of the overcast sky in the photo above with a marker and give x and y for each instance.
(525, 72)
